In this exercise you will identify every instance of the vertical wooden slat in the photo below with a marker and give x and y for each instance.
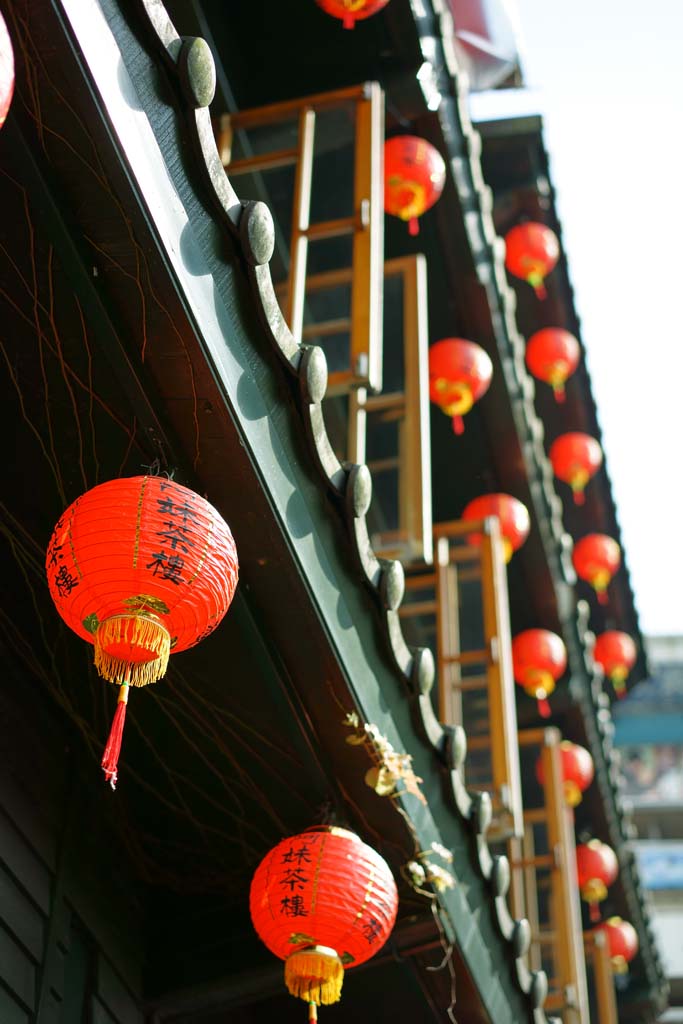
(296, 290)
(415, 489)
(448, 636)
(568, 947)
(368, 240)
(501, 686)
(603, 976)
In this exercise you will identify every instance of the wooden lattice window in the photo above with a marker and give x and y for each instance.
(597, 955)
(466, 597)
(326, 152)
(544, 885)
(406, 406)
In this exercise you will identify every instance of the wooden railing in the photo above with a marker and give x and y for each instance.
(365, 224)
(544, 886)
(485, 671)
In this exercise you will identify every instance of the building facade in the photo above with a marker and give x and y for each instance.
(199, 282)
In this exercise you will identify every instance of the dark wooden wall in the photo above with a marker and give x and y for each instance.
(70, 922)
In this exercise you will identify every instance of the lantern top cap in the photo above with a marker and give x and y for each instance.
(334, 830)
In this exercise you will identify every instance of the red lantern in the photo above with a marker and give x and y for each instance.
(531, 252)
(511, 514)
(351, 11)
(539, 658)
(552, 355)
(622, 942)
(322, 901)
(414, 177)
(459, 374)
(597, 867)
(596, 558)
(139, 567)
(617, 654)
(577, 771)
(576, 458)
(6, 71)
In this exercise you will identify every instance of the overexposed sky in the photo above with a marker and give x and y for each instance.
(609, 80)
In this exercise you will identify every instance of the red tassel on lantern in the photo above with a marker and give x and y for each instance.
(6, 71)
(539, 658)
(512, 515)
(577, 771)
(596, 558)
(322, 901)
(597, 868)
(575, 459)
(617, 654)
(531, 252)
(414, 177)
(110, 757)
(459, 374)
(138, 567)
(552, 355)
(622, 942)
(351, 11)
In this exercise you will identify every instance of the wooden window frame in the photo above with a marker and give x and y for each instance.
(568, 990)
(365, 225)
(413, 541)
(484, 561)
(597, 950)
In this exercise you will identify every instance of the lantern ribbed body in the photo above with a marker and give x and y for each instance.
(511, 513)
(139, 557)
(459, 374)
(324, 887)
(350, 11)
(597, 868)
(616, 652)
(622, 941)
(552, 355)
(539, 658)
(531, 252)
(6, 71)
(414, 176)
(596, 558)
(575, 459)
(577, 771)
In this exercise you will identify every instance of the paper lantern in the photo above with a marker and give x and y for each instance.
(6, 71)
(596, 558)
(597, 867)
(414, 177)
(617, 654)
(552, 355)
(511, 514)
(622, 942)
(459, 374)
(539, 658)
(577, 771)
(351, 11)
(531, 252)
(575, 459)
(322, 901)
(140, 567)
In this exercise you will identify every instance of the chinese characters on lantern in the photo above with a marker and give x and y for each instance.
(174, 540)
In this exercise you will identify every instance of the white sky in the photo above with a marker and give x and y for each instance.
(609, 75)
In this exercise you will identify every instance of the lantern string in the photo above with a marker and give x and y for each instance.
(447, 960)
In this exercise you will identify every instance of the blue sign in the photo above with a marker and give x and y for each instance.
(660, 864)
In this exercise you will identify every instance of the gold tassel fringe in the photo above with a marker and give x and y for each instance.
(138, 631)
(315, 975)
